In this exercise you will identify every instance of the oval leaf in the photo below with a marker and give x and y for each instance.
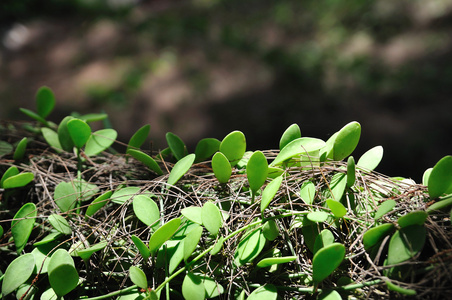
(65, 196)
(138, 277)
(19, 180)
(22, 225)
(296, 147)
(266, 292)
(351, 171)
(51, 138)
(146, 209)
(64, 136)
(317, 216)
(337, 185)
(63, 276)
(266, 262)
(11, 171)
(406, 243)
(139, 137)
(20, 149)
(206, 148)
(257, 170)
(164, 233)
(326, 260)
(371, 159)
(374, 235)
(270, 230)
(337, 208)
(60, 224)
(325, 238)
(100, 141)
(144, 250)
(45, 101)
(293, 132)
(440, 178)
(218, 246)
(146, 160)
(221, 167)
(384, 208)
(17, 272)
(233, 146)
(307, 192)
(193, 213)
(180, 168)
(97, 204)
(123, 195)
(34, 116)
(176, 145)
(346, 140)
(85, 254)
(191, 241)
(79, 131)
(211, 217)
(193, 287)
(413, 218)
(250, 244)
(269, 192)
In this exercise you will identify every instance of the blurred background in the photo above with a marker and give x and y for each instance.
(203, 68)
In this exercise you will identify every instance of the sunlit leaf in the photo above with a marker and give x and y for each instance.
(325, 238)
(307, 192)
(180, 168)
(351, 171)
(176, 145)
(393, 287)
(89, 118)
(164, 233)
(212, 288)
(274, 172)
(45, 101)
(317, 216)
(440, 178)
(266, 262)
(211, 218)
(53, 236)
(233, 146)
(146, 160)
(98, 203)
(138, 277)
(371, 159)
(270, 230)
(346, 141)
(191, 242)
(293, 132)
(20, 149)
(218, 246)
(297, 147)
(85, 254)
(139, 137)
(100, 141)
(257, 170)
(193, 213)
(22, 225)
(144, 250)
(18, 180)
(326, 260)
(337, 185)
(337, 208)
(123, 195)
(79, 131)
(63, 276)
(269, 192)
(146, 209)
(221, 167)
(329, 295)
(206, 148)
(249, 247)
(250, 243)
(413, 218)
(17, 272)
(374, 235)
(266, 292)
(60, 224)
(406, 243)
(384, 208)
(193, 287)
(51, 138)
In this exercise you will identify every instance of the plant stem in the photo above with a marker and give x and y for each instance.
(115, 293)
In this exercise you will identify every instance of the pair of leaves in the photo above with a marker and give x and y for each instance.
(249, 247)
(343, 143)
(45, 103)
(297, 147)
(200, 287)
(208, 215)
(13, 179)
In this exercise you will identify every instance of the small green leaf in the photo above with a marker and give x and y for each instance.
(270, 230)
(413, 218)
(193, 213)
(401, 290)
(266, 262)
(374, 235)
(269, 192)
(65, 196)
(426, 176)
(144, 250)
(233, 146)
(250, 243)
(293, 132)
(45, 101)
(371, 159)
(22, 225)
(17, 272)
(180, 168)
(337, 185)
(329, 295)
(248, 249)
(20, 149)
(18, 180)
(79, 131)
(351, 171)
(193, 287)
(257, 170)
(346, 141)
(138, 277)
(406, 243)
(146, 209)
(100, 141)
(440, 178)
(64, 136)
(1, 231)
(212, 288)
(266, 292)
(211, 218)
(297, 147)
(34, 116)
(146, 160)
(206, 148)
(63, 276)
(325, 238)
(123, 195)
(218, 245)
(164, 233)
(85, 254)
(51, 138)
(326, 260)
(139, 137)
(176, 145)
(60, 224)
(307, 192)
(337, 208)
(191, 242)
(221, 167)
(444, 203)
(97, 204)
(53, 236)
(176, 253)
(11, 171)
(89, 118)
(317, 216)
(384, 208)
(274, 172)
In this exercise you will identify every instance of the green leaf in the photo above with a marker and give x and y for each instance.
(51, 138)
(20, 149)
(22, 225)
(346, 141)
(374, 235)
(297, 147)
(17, 272)
(266, 292)
(317, 216)
(176, 145)
(53, 236)
(63, 276)
(89, 118)
(211, 218)
(1, 231)
(212, 288)
(45, 101)
(123, 195)
(392, 287)
(329, 295)
(351, 171)
(193, 213)
(256, 171)
(248, 249)
(34, 116)
(64, 136)
(221, 167)
(11, 171)
(326, 260)
(384, 208)
(42, 255)
(269, 192)
(191, 242)
(97, 204)
(337, 208)
(174, 250)
(337, 185)
(100, 141)
(138, 277)
(180, 168)
(274, 172)
(307, 192)
(139, 137)
(193, 287)
(146, 160)
(426, 176)
(60, 224)
(444, 203)
(270, 230)
(293, 132)
(144, 250)
(371, 159)
(218, 245)
(206, 148)
(266, 262)
(67, 194)
(233, 146)
(440, 178)
(146, 210)
(79, 131)
(164, 233)
(325, 238)
(85, 254)
(18, 180)
(406, 243)
(413, 218)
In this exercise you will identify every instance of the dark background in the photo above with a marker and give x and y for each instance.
(204, 68)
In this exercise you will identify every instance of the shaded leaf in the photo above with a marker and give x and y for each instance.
(211, 218)
(384, 208)
(406, 243)
(53, 236)
(11, 171)
(206, 148)
(79, 131)
(374, 235)
(212, 288)
(17, 272)
(413, 218)
(176, 145)
(60, 224)
(293, 132)
(20, 149)
(440, 178)
(337, 208)
(64, 136)
(233, 146)
(307, 192)
(221, 167)
(351, 171)
(85, 254)
(193, 287)
(371, 159)
(218, 246)
(326, 260)
(51, 138)
(34, 116)
(88, 118)
(18, 180)
(123, 195)
(257, 170)
(97, 204)
(45, 101)
(269, 192)
(100, 141)
(444, 203)
(63, 276)
(270, 230)
(138, 277)
(139, 137)
(325, 238)
(164, 233)
(22, 225)
(248, 249)
(329, 295)
(144, 250)
(297, 147)
(180, 168)
(266, 292)
(393, 287)
(146, 160)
